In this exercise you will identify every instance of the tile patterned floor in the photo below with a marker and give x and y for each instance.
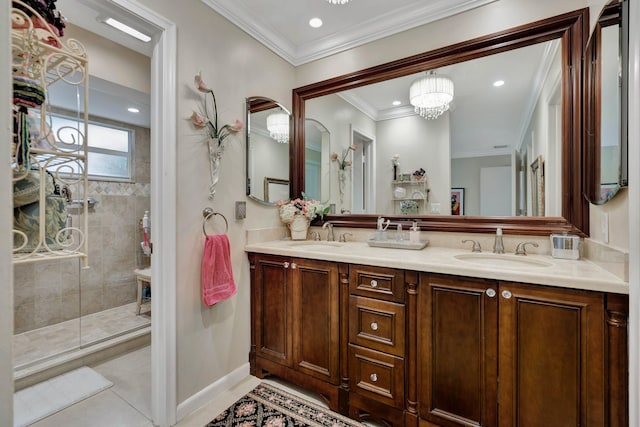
(31, 346)
(126, 403)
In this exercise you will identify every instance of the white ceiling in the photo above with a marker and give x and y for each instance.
(282, 26)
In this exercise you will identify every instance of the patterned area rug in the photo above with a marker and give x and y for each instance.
(269, 406)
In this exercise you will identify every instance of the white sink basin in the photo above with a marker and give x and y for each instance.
(503, 261)
(315, 245)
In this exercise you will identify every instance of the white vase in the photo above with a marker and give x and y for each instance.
(299, 227)
(215, 155)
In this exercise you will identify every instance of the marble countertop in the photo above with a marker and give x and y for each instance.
(535, 269)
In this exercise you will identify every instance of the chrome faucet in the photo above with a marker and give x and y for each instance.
(330, 233)
(521, 249)
(476, 245)
(498, 246)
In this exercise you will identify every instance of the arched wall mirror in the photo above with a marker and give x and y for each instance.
(267, 151)
(605, 115)
(535, 165)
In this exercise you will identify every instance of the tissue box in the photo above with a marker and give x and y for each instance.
(565, 246)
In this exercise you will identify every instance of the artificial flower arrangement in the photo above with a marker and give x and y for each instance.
(343, 163)
(204, 120)
(301, 207)
(208, 120)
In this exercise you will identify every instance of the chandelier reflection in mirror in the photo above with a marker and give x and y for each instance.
(278, 127)
(431, 95)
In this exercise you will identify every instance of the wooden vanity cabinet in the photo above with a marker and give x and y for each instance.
(295, 322)
(377, 344)
(506, 354)
(414, 349)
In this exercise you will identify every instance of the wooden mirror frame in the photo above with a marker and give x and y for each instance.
(572, 28)
(613, 14)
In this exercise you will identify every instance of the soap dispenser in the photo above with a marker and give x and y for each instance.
(414, 233)
(381, 229)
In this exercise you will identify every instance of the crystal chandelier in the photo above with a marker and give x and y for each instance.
(278, 127)
(431, 95)
(338, 1)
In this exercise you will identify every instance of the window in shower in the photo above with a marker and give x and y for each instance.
(111, 148)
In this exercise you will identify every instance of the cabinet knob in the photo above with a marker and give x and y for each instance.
(373, 377)
(491, 292)
(294, 265)
(506, 294)
(374, 283)
(374, 326)
(286, 265)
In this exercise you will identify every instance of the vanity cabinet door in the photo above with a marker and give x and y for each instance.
(272, 302)
(316, 324)
(551, 357)
(457, 350)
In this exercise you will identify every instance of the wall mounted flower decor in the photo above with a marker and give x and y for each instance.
(207, 119)
(343, 164)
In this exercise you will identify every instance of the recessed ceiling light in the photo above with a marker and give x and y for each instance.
(498, 83)
(127, 29)
(133, 110)
(396, 103)
(315, 22)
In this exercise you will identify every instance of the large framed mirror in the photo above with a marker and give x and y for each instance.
(606, 93)
(267, 150)
(546, 108)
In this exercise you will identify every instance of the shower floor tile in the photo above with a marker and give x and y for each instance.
(40, 343)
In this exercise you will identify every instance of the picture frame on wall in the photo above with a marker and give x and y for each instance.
(457, 201)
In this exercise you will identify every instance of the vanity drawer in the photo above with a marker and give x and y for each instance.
(377, 282)
(376, 375)
(377, 324)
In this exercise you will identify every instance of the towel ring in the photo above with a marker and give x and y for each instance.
(208, 213)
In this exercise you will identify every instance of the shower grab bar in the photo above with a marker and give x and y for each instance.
(91, 202)
(207, 213)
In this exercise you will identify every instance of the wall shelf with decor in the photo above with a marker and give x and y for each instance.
(410, 197)
(48, 161)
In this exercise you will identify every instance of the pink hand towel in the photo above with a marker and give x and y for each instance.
(217, 275)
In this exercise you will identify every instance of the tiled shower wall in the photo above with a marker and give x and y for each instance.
(50, 292)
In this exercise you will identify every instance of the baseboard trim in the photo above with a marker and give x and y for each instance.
(210, 392)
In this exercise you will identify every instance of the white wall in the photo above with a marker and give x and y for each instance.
(338, 116)
(540, 139)
(268, 159)
(420, 143)
(465, 173)
(132, 70)
(212, 342)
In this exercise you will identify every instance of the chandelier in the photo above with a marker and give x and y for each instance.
(431, 95)
(278, 127)
(338, 1)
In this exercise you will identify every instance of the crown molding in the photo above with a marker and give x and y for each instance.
(397, 20)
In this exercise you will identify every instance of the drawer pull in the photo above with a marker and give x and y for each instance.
(294, 265)
(374, 326)
(506, 294)
(374, 283)
(286, 264)
(491, 293)
(373, 377)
